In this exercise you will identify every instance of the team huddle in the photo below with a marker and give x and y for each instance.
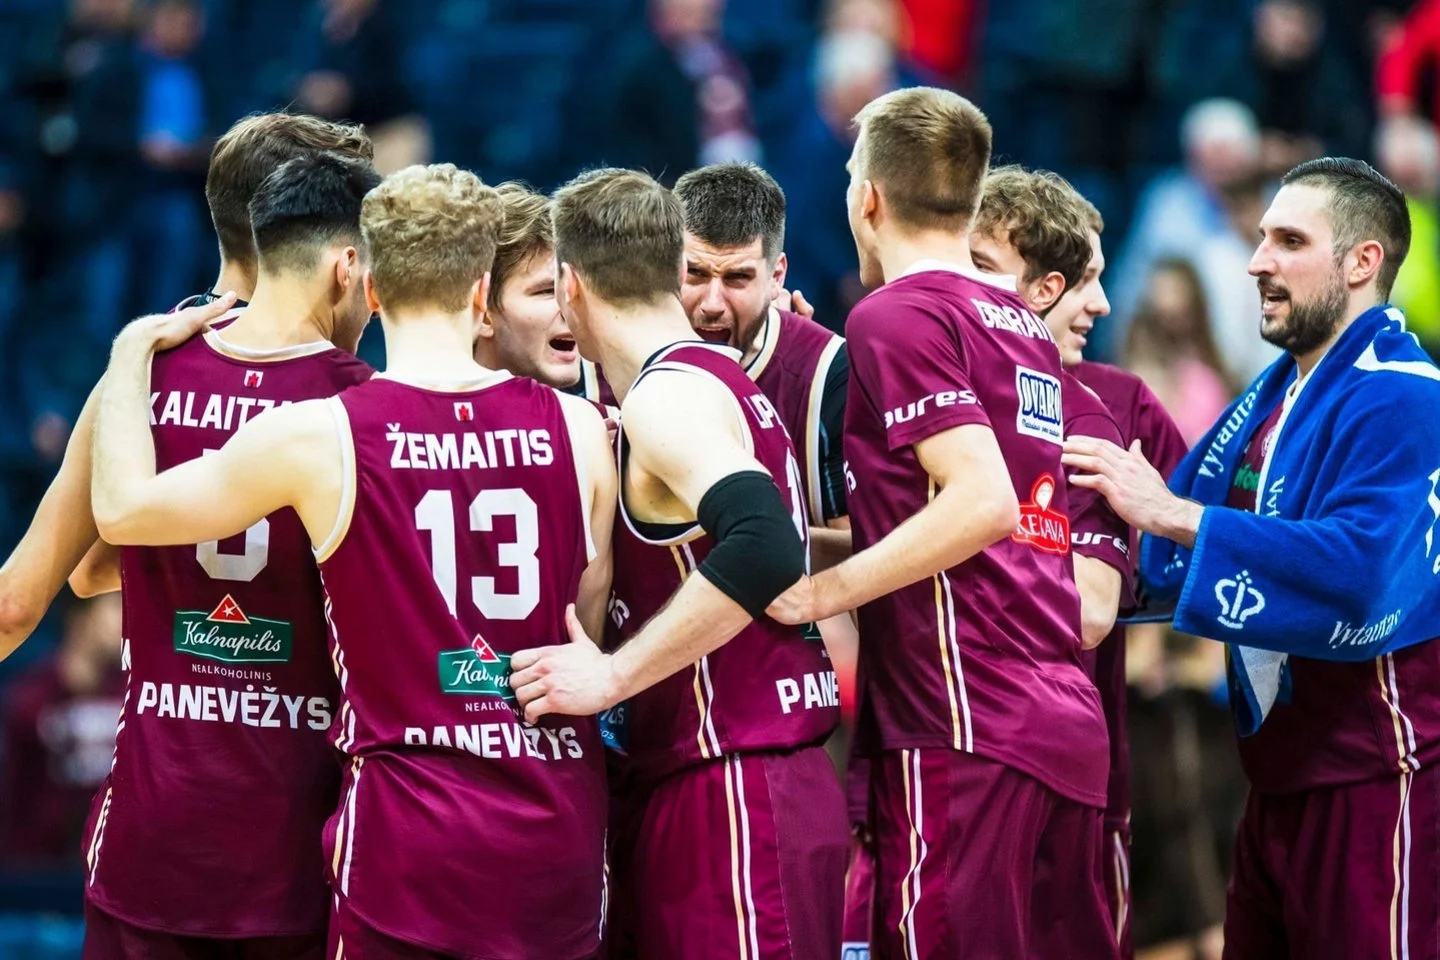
(561, 586)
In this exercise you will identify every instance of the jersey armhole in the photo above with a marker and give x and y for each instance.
(587, 496)
(347, 482)
(813, 466)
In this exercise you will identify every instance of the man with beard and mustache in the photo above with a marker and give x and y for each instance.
(1303, 531)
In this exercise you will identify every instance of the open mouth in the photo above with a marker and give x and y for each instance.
(714, 334)
(563, 344)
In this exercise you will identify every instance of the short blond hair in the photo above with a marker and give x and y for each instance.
(1042, 216)
(431, 233)
(623, 232)
(927, 150)
(527, 232)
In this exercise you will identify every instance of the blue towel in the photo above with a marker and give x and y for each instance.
(1340, 560)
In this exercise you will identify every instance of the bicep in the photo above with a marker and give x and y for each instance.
(969, 454)
(214, 496)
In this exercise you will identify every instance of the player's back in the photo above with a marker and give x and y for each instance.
(792, 367)
(770, 687)
(461, 828)
(222, 778)
(983, 657)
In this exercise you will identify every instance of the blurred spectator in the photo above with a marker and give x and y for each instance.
(939, 36)
(1222, 261)
(352, 53)
(1171, 347)
(59, 734)
(1308, 99)
(678, 96)
(1408, 80)
(1408, 153)
(173, 238)
(851, 68)
(1180, 210)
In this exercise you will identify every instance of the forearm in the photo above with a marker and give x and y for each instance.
(698, 620)
(98, 572)
(949, 530)
(124, 452)
(594, 596)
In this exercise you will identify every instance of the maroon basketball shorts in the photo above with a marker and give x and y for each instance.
(740, 857)
(975, 859)
(1342, 872)
(109, 938)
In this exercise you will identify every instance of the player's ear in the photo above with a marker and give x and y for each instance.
(1048, 289)
(372, 302)
(1367, 256)
(869, 200)
(569, 282)
(480, 293)
(777, 276)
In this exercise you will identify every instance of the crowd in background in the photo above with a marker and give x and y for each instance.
(1173, 116)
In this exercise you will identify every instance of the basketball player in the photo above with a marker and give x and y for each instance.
(522, 330)
(63, 529)
(988, 737)
(726, 709)
(231, 690)
(1030, 223)
(455, 512)
(1140, 416)
(1031, 226)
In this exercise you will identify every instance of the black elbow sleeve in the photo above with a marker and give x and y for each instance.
(758, 553)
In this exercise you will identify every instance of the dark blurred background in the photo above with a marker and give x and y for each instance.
(1174, 116)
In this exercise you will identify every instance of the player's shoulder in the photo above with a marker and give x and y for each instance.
(1395, 382)
(803, 330)
(1086, 413)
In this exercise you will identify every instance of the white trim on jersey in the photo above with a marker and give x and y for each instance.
(347, 482)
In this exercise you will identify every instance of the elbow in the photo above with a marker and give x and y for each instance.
(19, 617)
(1095, 625)
(1000, 515)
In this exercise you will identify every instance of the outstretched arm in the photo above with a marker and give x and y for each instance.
(286, 457)
(974, 506)
(684, 434)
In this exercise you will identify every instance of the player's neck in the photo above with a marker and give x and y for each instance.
(284, 311)
(632, 336)
(237, 277)
(429, 346)
(901, 251)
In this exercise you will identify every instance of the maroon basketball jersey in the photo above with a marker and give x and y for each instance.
(791, 369)
(1140, 416)
(983, 657)
(771, 687)
(461, 829)
(209, 823)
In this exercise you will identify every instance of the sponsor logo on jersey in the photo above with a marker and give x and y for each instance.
(1090, 538)
(476, 670)
(1013, 319)
(1039, 413)
(1239, 600)
(228, 635)
(1247, 480)
(916, 408)
(1040, 527)
(253, 378)
(464, 411)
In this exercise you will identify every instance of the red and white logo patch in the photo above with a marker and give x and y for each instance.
(483, 651)
(464, 411)
(253, 378)
(228, 611)
(1040, 527)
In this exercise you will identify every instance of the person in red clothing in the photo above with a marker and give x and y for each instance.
(59, 733)
(1407, 60)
